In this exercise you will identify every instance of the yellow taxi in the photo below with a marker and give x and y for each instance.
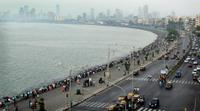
(111, 107)
(121, 98)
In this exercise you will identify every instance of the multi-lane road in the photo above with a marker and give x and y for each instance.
(185, 94)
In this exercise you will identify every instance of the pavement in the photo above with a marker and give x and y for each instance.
(56, 100)
(184, 96)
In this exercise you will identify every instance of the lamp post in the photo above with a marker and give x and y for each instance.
(70, 99)
(133, 67)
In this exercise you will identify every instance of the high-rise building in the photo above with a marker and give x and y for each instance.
(57, 10)
(92, 14)
(145, 11)
(84, 16)
(140, 13)
(108, 13)
(197, 20)
(118, 14)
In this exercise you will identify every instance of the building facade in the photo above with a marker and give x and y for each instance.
(197, 20)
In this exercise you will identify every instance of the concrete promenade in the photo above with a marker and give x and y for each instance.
(56, 100)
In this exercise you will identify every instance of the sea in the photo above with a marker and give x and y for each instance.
(34, 54)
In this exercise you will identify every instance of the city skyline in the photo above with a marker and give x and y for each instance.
(77, 7)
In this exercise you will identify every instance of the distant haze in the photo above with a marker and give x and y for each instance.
(74, 7)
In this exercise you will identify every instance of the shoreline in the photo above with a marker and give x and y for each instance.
(158, 38)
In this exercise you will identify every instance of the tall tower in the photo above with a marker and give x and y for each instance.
(108, 13)
(92, 14)
(146, 11)
(57, 10)
(140, 12)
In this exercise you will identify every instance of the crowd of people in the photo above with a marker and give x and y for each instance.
(65, 83)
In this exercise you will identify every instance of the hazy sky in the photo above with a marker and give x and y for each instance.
(165, 7)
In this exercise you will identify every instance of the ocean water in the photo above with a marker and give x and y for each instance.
(33, 54)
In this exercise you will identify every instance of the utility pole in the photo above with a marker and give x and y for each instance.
(133, 68)
(70, 101)
(107, 73)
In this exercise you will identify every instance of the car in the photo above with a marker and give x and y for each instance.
(188, 58)
(195, 63)
(190, 65)
(198, 79)
(149, 76)
(142, 68)
(112, 107)
(135, 73)
(193, 59)
(194, 72)
(154, 103)
(169, 85)
(178, 74)
(195, 77)
(198, 68)
(141, 100)
(186, 61)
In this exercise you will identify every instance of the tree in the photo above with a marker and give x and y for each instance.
(197, 31)
(172, 35)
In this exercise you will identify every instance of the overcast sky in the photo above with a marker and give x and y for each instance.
(74, 7)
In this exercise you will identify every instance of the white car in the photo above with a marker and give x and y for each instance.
(186, 61)
(188, 58)
(193, 59)
(198, 67)
(195, 62)
(194, 72)
(198, 79)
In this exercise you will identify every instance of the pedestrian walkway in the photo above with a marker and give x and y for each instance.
(148, 109)
(173, 81)
(94, 104)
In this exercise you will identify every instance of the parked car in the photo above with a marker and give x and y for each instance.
(154, 103)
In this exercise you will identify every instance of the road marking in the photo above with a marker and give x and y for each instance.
(89, 104)
(155, 80)
(105, 105)
(102, 105)
(140, 109)
(145, 109)
(83, 103)
(150, 110)
(96, 104)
